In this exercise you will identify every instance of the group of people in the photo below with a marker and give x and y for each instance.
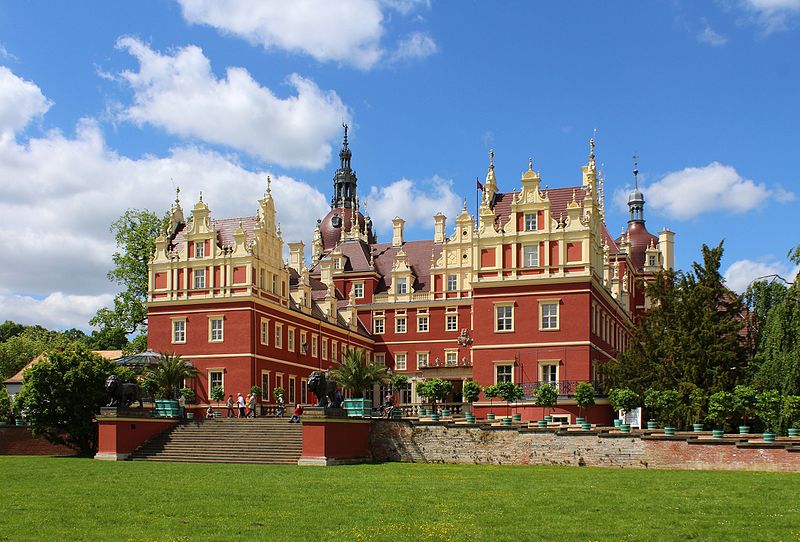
(244, 408)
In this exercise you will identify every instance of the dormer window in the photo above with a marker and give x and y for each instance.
(358, 288)
(337, 263)
(652, 261)
(530, 221)
(402, 286)
(199, 250)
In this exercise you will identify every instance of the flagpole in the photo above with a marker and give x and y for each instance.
(478, 181)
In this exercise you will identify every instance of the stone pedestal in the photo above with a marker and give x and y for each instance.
(121, 412)
(334, 439)
(122, 430)
(324, 412)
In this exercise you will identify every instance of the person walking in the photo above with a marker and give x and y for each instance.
(251, 405)
(240, 404)
(229, 404)
(298, 411)
(281, 406)
(182, 406)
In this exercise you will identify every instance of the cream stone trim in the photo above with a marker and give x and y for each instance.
(261, 334)
(210, 370)
(530, 345)
(211, 320)
(405, 361)
(549, 363)
(503, 363)
(495, 306)
(172, 330)
(419, 342)
(550, 301)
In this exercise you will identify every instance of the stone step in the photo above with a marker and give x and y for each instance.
(226, 460)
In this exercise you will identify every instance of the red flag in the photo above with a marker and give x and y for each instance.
(480, 186)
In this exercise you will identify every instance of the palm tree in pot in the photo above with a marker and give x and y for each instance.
(355, 374)
(166, 378)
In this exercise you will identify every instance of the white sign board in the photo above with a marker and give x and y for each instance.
(633, 418)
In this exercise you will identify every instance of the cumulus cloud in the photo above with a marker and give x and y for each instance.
(20, 102)
(693, 191)
(742, 272)
(61, 192)
(346, 32)
(180, 94)
(772, 15)
(711, 37)
(415, 202)
(413, 46)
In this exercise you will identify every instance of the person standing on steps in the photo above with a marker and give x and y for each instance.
(298, 411)
(229, 404)
(182, 406)
(281, 406)
(240, 404)
(251, 405)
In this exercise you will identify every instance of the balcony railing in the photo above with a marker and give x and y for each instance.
(566, 388)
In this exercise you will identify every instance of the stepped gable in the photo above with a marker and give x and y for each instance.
(418, 255)
(224, 228)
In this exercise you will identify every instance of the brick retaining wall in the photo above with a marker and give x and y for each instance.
(19, 441)
(442, 443)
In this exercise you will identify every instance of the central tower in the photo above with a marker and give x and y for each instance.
(344, 180)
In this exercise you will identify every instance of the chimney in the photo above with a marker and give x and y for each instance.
(397, 231)
(439, 228)
(666, 243)
(297, 256)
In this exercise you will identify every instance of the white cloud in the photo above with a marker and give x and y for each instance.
(57, 310)
(180, 94)
(416, 45)
(61, 193)
(772, 15)
(347, 32)
(415, 202)
(741, 273)
(711, 37)
(693, 191)
(20, 102)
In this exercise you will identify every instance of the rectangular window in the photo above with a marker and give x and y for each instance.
(402, 286)
(179, 331)
(324, 348)
(652, 260)
(290, 339)
(530, 221)
(400, 324)
(304, 391)
(291, 390)
(214, 380)
(549, 373)
(451, 358)
(199, 249)
(274, 284)
(452, 283)
(265, 389)
(451, 322)
(337, 263)
(264, 331)
(378, 326)
(279, 381)
(422, 360)
(422, 324)
(199, 278)
(334, 350)
(359, 290)
(278, 335)
(504, 318)
(503, 373)
(380, 359)
(405, 393)
(303, 342)
(314, 346)
(549, 315)
(400, 361)
(215, 329)
(530, 256)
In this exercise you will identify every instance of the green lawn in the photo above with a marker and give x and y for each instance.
(81, 499)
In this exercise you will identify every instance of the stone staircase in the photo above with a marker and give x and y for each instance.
(226, 440)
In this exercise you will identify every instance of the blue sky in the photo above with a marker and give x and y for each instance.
(110, 105)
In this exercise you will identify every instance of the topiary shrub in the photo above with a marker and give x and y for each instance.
(188, 395)
(584, 396)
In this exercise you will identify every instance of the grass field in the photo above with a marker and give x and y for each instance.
(64, 499)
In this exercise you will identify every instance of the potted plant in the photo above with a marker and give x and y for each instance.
(768, 409)
(190, 397)
(697, 404)
(508, 392)
(470, 391)
(546, 397)
(433, 389)
(490, 392)
(399, 383)
(720, 405)
(355, 374)
(218, 395)
(791, 412)
(5, 406)
(651, 403)
(744, 402)
(584, 397)
(166, 377)
(668, 403)
(626, 400)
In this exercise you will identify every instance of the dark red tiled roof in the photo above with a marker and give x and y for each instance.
(418, 256)
(559, 199)
(224, 228)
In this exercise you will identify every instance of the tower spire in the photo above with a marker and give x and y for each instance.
(344, 180)
(636, 198)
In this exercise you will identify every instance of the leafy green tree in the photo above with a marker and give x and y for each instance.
(10, 329)
(490, 392)
(547, 396)
(509, 392)
(435, 389)
(690, 335)
(355, 374)
(470, 391)
(189, 395)
(791, 410)
(218, 394)
(20, 349)
(138, 344)
(61, 394)
(584, 396)
(135, 233)
(744, 402)
(697, 403)
(768, 409)
(168, 375)
(720, 408)
(623, 399)
(5, 404)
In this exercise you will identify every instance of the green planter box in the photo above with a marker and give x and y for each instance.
(434, 417)
(541, 423)
(669, 431)
(506, 421)
(586, 426)
(470, 418)
(794, 432)
(167, 408)
(625, 428)
(445, 412)
(744, 429)
(697, 427)
(517, 418)
(617, 422)
(652, 424)
(769, 437)
(490, 416)
(358, 407)
(397, 414)
(19, 423)
(717, 433)
(548, 418)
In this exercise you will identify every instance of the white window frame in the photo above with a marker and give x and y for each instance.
(325, 348)
(266, 392)
(546, 321)
(379, 325)
(290, 336)
(212, 371)
(401, 287)
(530, 256)
(531, 221)
(314, 345)
(216, 335)
(358, 287)
(278, 335)
(401, 361)
(400, 324)
(423, 359)
(504, 365)
(199, 278)
(380, 359)
(291, 391)
(303, 342)
(337, 263)
(175, 339)
(545, 369)
(452, 283)
(423, 323)
(303, 391)
(199, 249)
(448, 354)
(506, 328)
(264, 332)
(334, 350)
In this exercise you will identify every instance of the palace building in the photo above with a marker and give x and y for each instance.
(533, 290)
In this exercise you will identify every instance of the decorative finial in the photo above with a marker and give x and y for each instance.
(279, 229)
(591, 150)
(177, 194)
(344, 125)
(530, 164)
(573, 196)
(240, 224)
(201, 195)
(491, 159)
(635, 171)
(366, 203)
(465, 204)
(269, 185)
